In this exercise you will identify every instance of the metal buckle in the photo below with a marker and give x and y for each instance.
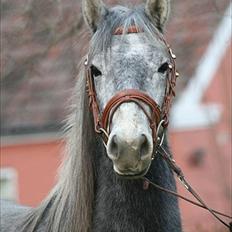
(160, 139)
(86, 62)
(182, 181)
(101, 130)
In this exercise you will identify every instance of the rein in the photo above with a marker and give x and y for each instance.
(177, 170)
(157, 118)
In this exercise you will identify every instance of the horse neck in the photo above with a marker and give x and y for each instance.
(123, 205)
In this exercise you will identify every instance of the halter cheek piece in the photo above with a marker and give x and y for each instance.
(156, 116)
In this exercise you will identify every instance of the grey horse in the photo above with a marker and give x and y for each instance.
(100, 187)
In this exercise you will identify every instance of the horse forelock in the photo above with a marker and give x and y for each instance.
(124, 18)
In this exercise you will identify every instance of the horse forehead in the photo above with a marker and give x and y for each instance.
(136, 46)
(131, 43)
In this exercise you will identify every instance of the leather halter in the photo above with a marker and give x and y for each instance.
(102, 121)
(131, 29)
(132, 95)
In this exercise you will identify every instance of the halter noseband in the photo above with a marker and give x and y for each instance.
(157, 116)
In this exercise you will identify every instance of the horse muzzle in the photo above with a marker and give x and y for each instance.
(130, 144)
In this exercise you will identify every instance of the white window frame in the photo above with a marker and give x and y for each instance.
(10, 191)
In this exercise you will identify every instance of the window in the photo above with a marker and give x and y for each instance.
(8, 184)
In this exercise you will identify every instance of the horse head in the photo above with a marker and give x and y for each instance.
(130, 80)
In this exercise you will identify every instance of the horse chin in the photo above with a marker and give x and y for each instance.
(131, 174)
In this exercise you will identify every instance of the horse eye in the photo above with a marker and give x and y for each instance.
(163, 68)
(95, 71)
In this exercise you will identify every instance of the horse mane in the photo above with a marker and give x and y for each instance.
(69, 206)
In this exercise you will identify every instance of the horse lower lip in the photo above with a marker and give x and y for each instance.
(132, 176)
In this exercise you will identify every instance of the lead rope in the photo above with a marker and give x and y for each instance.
(184, 198)
(172, 164)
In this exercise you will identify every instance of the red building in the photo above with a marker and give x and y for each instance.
(34, 98)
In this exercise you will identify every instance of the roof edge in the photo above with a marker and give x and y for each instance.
(37, 138)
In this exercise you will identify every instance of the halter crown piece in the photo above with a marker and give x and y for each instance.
(102, 121)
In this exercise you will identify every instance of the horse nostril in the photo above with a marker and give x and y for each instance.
(118, 148)
(144, 146)
(113, 147)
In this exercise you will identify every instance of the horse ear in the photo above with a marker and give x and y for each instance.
(92, 10)
(158, 11)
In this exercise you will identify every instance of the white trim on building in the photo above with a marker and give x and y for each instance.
(8, 184)
(30, 138)
(189, 112)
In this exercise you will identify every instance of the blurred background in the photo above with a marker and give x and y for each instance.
(42, 42)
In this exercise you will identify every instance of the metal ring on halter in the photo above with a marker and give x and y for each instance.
(105, 133)
(86, 61)
(160, 141)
